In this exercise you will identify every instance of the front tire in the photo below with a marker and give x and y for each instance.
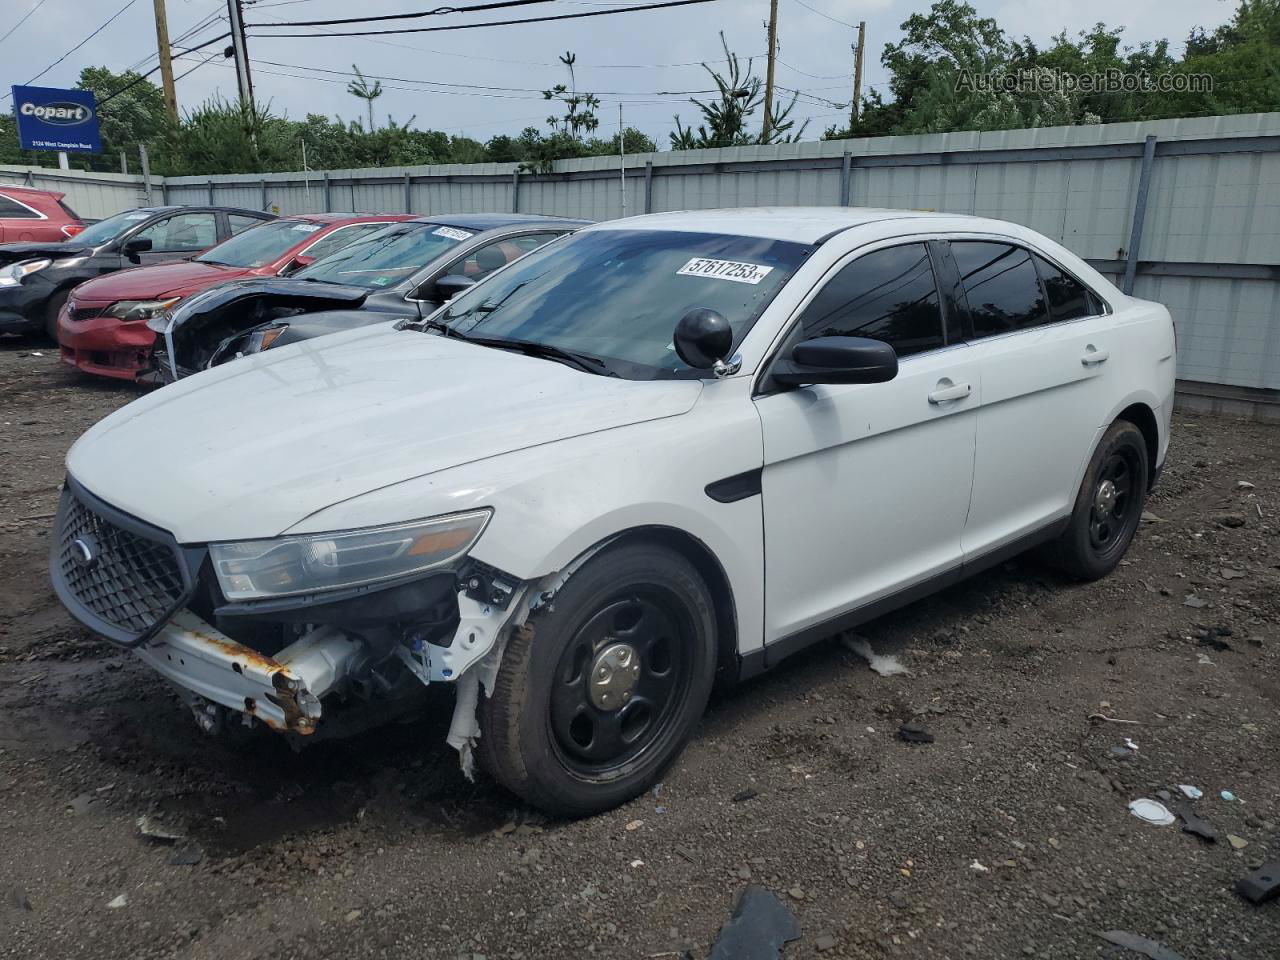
(1108, 505)
(604, 686)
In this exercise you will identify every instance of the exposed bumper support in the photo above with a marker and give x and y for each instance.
(283, 691)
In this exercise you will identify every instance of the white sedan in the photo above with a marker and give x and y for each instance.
(660, 451)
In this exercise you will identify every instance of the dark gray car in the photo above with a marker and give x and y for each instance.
(36, 278)
(406, 270)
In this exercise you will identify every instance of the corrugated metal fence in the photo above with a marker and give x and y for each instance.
(1198, 199)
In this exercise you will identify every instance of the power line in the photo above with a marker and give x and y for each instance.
(492, 23)
(78, 45)
(138, 79)
(437, 12)
(25, 17)
(846, 23)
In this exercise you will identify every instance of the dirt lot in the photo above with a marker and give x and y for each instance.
(379, 848)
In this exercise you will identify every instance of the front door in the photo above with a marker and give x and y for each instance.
(865, 487)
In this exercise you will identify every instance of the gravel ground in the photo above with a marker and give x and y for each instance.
(1007, 837)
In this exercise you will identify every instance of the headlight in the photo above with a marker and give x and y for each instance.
(128, 310)
(256, 569)
(13, 275)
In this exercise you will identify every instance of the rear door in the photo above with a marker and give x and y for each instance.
(1043, 340)
(865, 487)
(20, 223)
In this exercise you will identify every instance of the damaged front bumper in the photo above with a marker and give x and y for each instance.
(283, 691)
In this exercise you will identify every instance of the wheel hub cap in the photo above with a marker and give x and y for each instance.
(1105, 500)
(613, 676)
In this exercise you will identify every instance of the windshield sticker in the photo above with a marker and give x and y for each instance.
(724, 270)
(307, 227)
(137, 216)
(380, 281)
(452, 233)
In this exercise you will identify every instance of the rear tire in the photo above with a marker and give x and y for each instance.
(604, 686)
(51, 311)
(1108, 506)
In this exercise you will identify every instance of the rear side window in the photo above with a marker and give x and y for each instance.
(1069, 299)
(1001, 285)
(887, 295)
(11, 209)
(240, 223)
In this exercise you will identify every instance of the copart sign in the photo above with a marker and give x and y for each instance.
(51, 119)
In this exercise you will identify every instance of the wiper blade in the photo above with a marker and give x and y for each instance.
(531, 348)
(432, 324)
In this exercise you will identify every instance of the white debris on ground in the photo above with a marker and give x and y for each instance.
(884, 665)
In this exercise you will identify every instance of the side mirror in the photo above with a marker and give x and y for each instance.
(837, 360)
(296, 264)
(136, 245)
(449, 286)
(703, 338)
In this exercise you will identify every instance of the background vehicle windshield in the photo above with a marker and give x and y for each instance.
(110, 228)
(387, 257)
(617, 295)
(259, 246)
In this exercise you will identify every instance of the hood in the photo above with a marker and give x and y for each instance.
(156, 282)
(251, 448)
(14, 252)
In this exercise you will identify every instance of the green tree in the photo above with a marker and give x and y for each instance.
(359, 87)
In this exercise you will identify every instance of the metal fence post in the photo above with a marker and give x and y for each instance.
(325, 179)
(515, 190)
(1139, 214)
(408, 194)
(648, 186)
(211, 193)
(264, 195)
(146, 171)
(846, 165)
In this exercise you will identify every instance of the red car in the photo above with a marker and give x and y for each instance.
(103, 329)
(28, 214)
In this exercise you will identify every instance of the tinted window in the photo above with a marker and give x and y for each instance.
(887, 295)
(482, 261)
(1001, 285)
(335, 241)
(183, 232)
(12, 210)
(1069, 299)
(112, 227)
(240, 223)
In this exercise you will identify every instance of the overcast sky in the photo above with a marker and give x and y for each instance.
(633, 58)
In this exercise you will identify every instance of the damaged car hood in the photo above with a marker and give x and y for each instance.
(158, 281)
(16, 252)
(251, 448)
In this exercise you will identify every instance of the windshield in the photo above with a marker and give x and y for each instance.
(387, 257)
(258, 246)
(616, 295)
(110, 228)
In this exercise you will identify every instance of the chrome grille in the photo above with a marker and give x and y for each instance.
(128, 583)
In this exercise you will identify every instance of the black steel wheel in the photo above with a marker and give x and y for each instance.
(605, 687)
(1108, 505)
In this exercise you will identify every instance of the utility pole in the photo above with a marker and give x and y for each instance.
(235, 11)
(768, 84)
(166, 61)
(857, 75)
(622, 158)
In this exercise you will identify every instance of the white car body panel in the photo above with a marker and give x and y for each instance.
(866, 490)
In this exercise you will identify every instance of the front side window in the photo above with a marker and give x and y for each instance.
(182, 233)
(1069, 299)
(385, 258)
(1001, 285)
(887, 295)
(617, 295)
(264, 244)
(482, 261)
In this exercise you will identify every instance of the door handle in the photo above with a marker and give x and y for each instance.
(1093, 357)
(957, 392)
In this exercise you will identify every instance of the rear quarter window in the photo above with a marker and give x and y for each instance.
(11, 209)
